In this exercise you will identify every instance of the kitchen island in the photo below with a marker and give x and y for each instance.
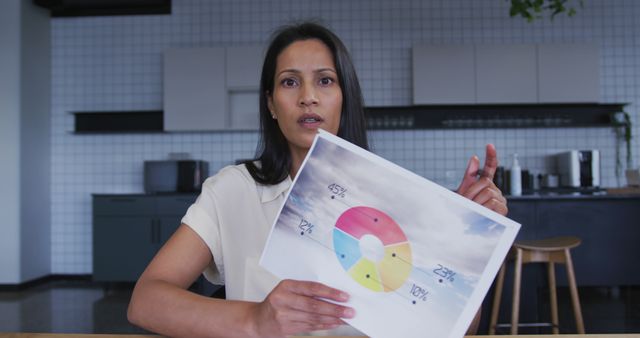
(609, 226)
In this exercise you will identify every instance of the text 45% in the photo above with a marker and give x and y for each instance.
(419, 293)
(337, 190)
(305, 226)
(445, 273)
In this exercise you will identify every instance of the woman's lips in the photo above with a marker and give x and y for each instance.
(311, 121)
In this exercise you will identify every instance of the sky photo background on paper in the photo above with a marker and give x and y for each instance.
(441, 231)
(428, 221)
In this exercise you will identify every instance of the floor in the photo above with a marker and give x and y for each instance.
(81, 306)
(604, 310)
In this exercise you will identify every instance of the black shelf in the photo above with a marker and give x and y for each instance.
(492, 116)
(75, 8)
(143, 121)
(404, 117)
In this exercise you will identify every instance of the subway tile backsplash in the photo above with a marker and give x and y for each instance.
(115, 63)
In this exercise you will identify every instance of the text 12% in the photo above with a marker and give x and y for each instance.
(306, 227)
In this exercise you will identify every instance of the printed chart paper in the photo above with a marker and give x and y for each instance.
(416, 258)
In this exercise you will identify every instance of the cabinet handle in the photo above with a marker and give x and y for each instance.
(157, 231)
(122, 199)
(153, 231)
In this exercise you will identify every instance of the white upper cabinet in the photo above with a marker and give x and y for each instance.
(443, 75)
(506, 74)
(207, 89)
(244, 64)
(243, 110)
(568, 73)
(195, 95)
(503, 74)
(243, 67)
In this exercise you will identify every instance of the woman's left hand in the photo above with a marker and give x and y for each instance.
(477, 185)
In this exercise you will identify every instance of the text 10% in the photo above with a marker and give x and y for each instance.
(419, 293)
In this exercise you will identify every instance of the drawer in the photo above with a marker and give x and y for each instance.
(123, 205)
(174, 205)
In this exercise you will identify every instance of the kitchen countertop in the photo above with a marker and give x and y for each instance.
(576, 196)
(604, 193)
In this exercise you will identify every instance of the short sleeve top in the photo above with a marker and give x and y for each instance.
(233, 215)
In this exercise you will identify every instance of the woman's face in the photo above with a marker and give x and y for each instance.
(306, 93)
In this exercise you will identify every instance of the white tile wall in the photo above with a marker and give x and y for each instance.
(114, 63)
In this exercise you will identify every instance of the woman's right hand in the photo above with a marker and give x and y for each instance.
(294, 307)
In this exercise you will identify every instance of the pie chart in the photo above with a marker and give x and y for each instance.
(390, 269)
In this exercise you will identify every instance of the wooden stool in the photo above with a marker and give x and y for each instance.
(550, 251)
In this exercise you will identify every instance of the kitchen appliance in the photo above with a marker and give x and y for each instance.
(548, 181)
(170, 176)
(579, 168)
(633, 177)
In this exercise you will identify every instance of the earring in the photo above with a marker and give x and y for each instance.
(273, 116)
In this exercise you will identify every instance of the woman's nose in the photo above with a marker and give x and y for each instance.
(308, 96)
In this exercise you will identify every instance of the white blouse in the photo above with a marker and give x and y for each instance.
(233, 215)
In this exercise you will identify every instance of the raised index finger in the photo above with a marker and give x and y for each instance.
(490, 162)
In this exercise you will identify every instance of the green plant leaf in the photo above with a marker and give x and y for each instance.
(534, 9)
(621, 122)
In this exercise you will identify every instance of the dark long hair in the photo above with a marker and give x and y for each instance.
(273, 150)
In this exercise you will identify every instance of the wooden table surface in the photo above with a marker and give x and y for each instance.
(60, 335)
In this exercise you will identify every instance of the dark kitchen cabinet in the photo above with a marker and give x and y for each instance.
(608, 227)
(526, 215)
(128, 230)
(610, 236)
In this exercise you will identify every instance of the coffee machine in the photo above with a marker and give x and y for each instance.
(579, 168)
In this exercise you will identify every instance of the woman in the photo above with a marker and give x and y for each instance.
(308, 82)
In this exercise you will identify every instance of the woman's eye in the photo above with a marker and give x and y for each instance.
(288, 82)
(325, 81)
